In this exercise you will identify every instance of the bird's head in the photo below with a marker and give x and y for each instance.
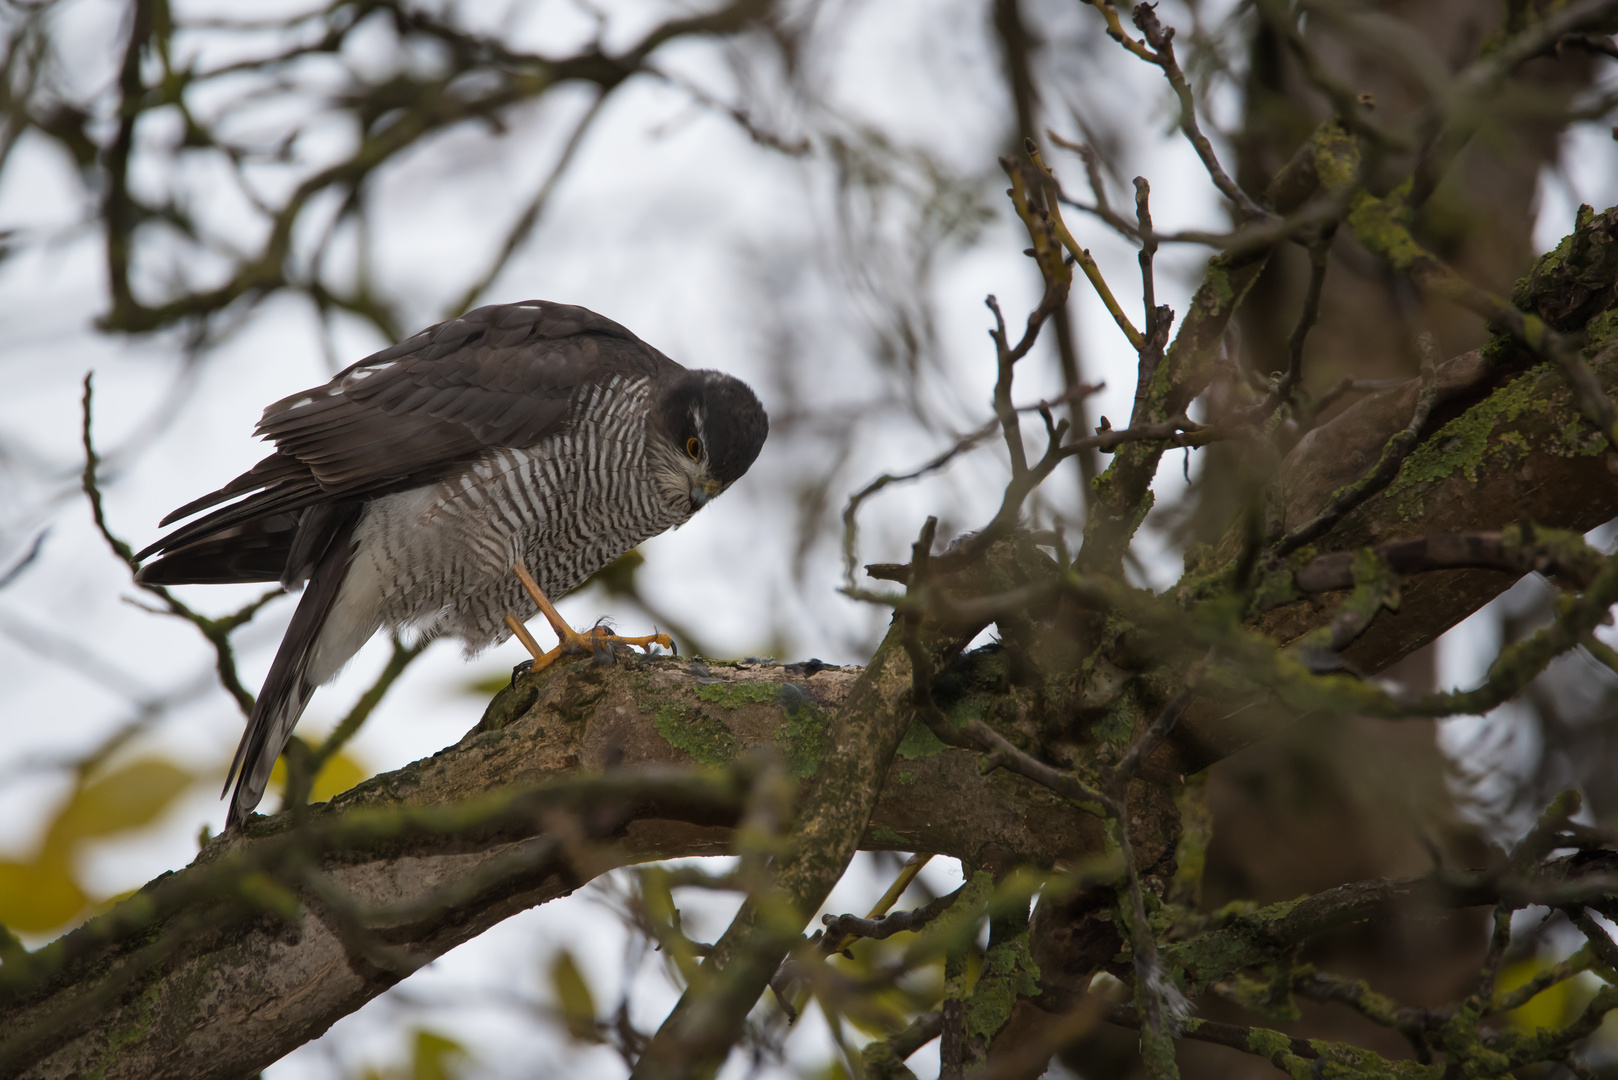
(705, 431)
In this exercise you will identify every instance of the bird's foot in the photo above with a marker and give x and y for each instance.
(598, 641)
(644, 642)
(601, 643)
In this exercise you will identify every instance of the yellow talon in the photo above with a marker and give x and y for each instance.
(569, 640)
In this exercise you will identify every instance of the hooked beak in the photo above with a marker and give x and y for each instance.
(702, 491)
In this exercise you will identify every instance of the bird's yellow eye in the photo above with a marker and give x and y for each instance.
(693, 447)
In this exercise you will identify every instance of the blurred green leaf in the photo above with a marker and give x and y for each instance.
(436, 1056)
(127, 798)
(1552, 1007)
(340, 773)
(38, 896)
(655, 895)
(41, 894)
(657, 903)
(573, 995)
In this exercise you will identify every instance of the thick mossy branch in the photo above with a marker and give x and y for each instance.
(316, 912)
(1383, 225)
(1506, 444)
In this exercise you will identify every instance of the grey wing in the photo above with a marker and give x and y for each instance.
(504, 375)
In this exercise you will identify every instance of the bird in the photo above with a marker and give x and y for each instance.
(449, 486)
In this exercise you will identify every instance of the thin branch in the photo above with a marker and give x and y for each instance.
(523, 228)
(883, 1058)
(1357, 994)
(1081, 255)
(1161, 54)
(1282, 393)
(1160, 727)
(1348, 385)
(1600, 942)
(1148, 249)
(1555, 555)
(1381, 474)
(1098, 189)
(965, 444)
(852, 926)
(1246, 1039)
(1519, 996)
(16, 569)
(217, 631)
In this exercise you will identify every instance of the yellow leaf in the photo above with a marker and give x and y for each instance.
(573, 994)
(1550, 1008)
(38, 896)
(339, 774)
(655, 895)
(127, 798)
(657, 901)
(435, 1056)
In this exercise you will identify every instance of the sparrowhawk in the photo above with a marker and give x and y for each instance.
(448, 483)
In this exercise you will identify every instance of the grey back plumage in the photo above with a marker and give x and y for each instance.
(405, 489)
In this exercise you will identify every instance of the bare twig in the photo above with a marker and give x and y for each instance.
(523, 227)
(1148, 249)
(1282, 393)
(1081, 255)
(1159, 728)
(217, 631)
(1556, 555)
(1158, 50)
(963, 445)
(1381, 474)
(839, 927)
(1348, 385)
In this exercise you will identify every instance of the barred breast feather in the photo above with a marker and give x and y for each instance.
(566, 507)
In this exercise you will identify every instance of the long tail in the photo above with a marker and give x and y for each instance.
(307, 657)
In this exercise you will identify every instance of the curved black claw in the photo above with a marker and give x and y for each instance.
(520, 670)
